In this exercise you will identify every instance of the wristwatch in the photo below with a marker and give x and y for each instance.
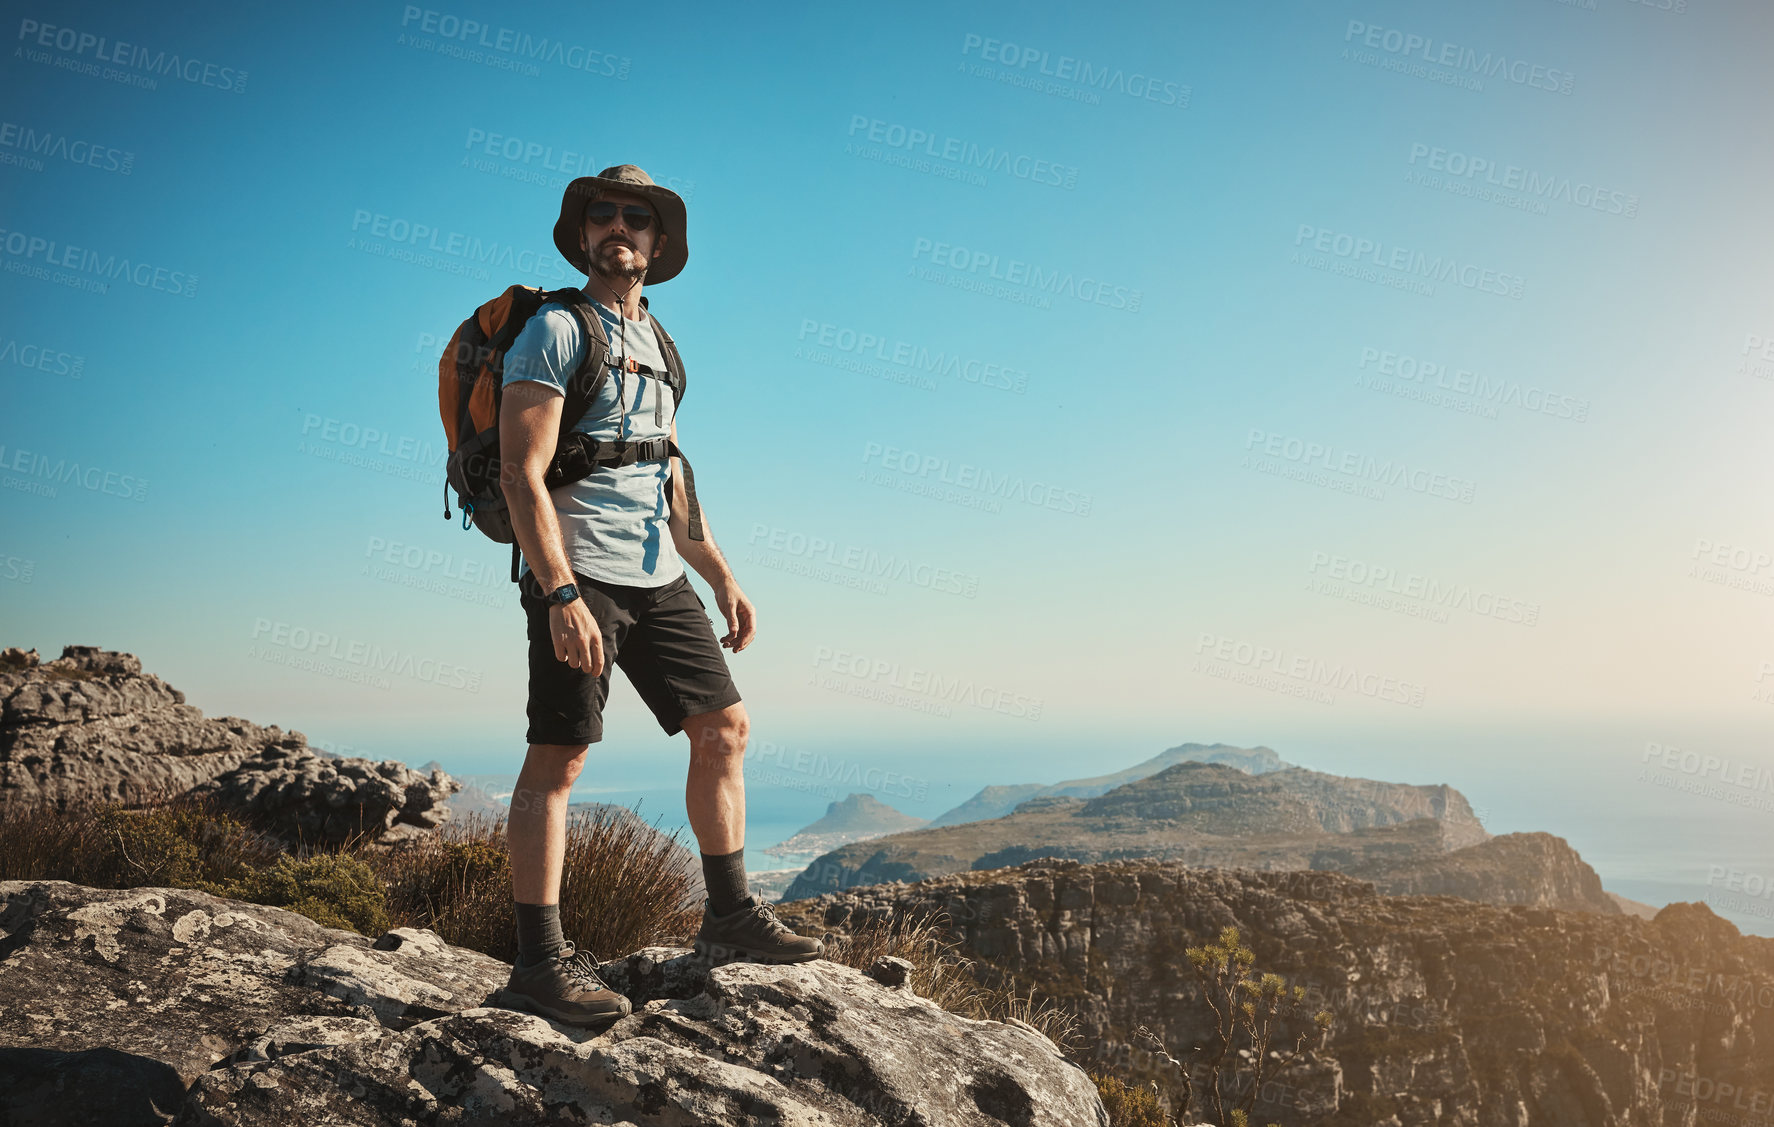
(562, 595)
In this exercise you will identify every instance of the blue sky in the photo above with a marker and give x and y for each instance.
(1381, 383)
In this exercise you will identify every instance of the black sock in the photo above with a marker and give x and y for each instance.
(724, 877)
(538, 933)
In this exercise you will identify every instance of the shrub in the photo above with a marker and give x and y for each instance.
(1128, 1105)
(333, 889)
(622, 885)
(174, 842)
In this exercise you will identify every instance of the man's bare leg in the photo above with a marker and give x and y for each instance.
(735, 924)
(536, 837)
(714, 791)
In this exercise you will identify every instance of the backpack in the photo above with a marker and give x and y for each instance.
(469, 384)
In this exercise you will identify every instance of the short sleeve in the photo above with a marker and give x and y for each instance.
(547, 350)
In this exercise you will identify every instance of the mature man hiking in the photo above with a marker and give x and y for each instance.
(602, 584)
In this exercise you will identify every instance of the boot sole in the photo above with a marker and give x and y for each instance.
(507, 999)
(729, 954)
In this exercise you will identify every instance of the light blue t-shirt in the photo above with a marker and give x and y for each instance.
(615, 522)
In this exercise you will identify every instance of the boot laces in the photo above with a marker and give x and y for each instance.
(774, 926)
(581, 968)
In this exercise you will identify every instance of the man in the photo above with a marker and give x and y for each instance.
(601, 583)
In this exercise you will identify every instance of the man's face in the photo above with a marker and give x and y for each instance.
(617, 250)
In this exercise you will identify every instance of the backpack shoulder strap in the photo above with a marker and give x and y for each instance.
(588, 377)
(668, 348)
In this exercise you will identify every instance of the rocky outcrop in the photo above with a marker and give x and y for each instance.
(314, 799)
(1446, 1011)
(1216, 815)
(90, 726)
(997, 801)
(855, 818)
(163, 1005)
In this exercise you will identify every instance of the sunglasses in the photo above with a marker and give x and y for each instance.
(634, 216)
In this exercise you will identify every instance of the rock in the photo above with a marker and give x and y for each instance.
(157, 1005)
(91, 726)
(891, 970)
(1445, 1011)
(307, 797)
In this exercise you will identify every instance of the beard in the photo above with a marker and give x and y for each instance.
(606, 263)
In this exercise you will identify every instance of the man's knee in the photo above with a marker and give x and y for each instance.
(720, 733)
(550, 767)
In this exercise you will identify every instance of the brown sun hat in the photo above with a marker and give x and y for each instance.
(627, 177)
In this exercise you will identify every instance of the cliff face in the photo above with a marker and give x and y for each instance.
(1215, 815)
(1447, 1012)
(145, 1006)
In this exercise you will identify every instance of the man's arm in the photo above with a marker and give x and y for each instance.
(529, 420)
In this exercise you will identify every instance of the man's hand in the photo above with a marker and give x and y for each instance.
(741, 616)
(577, 640)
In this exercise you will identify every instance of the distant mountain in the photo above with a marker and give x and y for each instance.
(997, 801)
(1405, 838)
(856, 818)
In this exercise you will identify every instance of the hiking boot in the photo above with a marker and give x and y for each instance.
(565, 988)
(752, 934)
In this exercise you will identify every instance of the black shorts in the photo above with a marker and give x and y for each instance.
(660, 636)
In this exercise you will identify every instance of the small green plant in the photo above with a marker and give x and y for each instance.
(1247, 1007)
(332, 889)
(1129, 1105)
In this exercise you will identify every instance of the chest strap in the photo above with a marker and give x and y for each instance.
(579, 454)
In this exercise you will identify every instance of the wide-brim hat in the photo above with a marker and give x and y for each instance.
(627, 178)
